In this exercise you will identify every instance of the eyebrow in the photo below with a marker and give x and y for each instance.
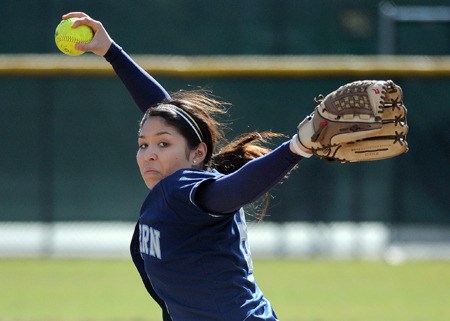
(157, 134)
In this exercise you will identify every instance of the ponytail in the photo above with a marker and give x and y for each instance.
(242, 150)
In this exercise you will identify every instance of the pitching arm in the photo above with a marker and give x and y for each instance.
(144, 89)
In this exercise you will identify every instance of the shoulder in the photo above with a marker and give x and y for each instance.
(184, 177)
(184, 182)
(179, 190)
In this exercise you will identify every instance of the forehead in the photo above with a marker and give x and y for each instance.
(156, 125)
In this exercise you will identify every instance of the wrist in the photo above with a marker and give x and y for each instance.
(297, 147)
(112, 52)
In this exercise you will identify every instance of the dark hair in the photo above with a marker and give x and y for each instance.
(202, 107)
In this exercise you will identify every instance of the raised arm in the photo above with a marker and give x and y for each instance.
(143, 88)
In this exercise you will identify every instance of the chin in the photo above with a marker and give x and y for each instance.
(151, 184)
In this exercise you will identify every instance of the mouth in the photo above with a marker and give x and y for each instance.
(150, 171)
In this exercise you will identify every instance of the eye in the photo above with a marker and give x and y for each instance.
(143, 146)
(163, 144)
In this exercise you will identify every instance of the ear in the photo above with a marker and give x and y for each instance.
(198, 155)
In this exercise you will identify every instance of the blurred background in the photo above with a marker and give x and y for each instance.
(69, 183)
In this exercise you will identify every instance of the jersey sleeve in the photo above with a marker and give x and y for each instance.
(143, 88)
(230, 192)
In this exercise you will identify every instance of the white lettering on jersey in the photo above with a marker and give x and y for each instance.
(149, 241)
(155, 248)
(144, 232)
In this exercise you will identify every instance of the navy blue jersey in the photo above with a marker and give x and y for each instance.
(198, 263)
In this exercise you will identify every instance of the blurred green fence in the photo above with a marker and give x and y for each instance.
(69, 137)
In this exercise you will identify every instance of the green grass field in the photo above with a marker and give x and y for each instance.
(94, 290)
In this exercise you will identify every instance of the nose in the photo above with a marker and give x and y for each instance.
(150, 155)
(147, 154)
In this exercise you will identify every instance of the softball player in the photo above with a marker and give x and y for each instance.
(190, 244)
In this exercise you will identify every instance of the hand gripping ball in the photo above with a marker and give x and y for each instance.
(67, 37)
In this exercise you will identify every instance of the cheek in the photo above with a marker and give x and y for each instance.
(177, 161)
(139, 159)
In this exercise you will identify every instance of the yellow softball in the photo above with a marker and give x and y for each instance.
(67, 37)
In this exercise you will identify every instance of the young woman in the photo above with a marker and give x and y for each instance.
(190, 243)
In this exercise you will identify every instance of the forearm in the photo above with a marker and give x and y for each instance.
(143, 88)
(230, 192)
